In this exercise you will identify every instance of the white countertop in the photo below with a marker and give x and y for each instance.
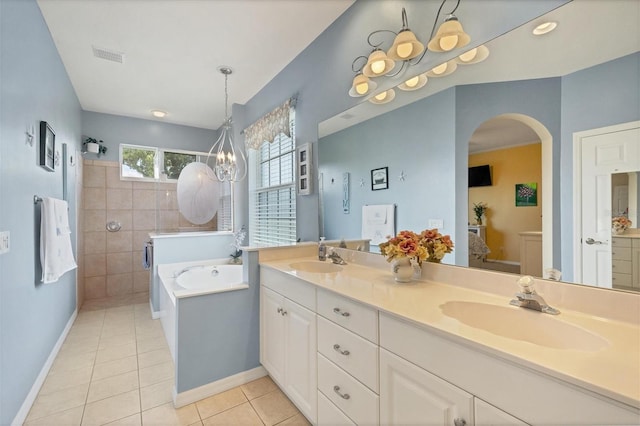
(613, 371)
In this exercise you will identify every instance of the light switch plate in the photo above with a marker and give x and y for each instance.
(436, 223)
(4, 242)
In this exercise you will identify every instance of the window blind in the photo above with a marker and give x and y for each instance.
(273, 192)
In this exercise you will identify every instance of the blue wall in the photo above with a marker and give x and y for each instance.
(115, 129)
(599, 96)
(33, 86)
(418, 139)
(321, 75)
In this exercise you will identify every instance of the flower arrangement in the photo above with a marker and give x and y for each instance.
(479, 209)
(429, 245)
(238, 238)
(619, 224)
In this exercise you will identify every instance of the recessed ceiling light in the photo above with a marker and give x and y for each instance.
(158, 113)
(545, 27)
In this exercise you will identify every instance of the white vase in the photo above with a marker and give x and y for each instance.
(402, 270)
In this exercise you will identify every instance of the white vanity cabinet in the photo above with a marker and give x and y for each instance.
(487, 415)
(288, 339)
(513, 392)
(412, 395)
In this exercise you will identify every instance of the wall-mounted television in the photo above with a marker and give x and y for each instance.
(480, 176)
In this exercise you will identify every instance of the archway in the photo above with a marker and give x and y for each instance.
(546, 140)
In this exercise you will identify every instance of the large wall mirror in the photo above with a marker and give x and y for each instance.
(517, 112)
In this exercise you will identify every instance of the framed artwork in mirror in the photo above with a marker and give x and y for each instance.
(47, 147)
(380, 178)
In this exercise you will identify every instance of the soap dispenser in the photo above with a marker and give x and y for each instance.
(322, 250)
(343, 243)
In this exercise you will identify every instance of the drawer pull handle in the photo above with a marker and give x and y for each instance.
(459, 422)
(339, 312)
(337, 348)
(280, 311)
(336, 389)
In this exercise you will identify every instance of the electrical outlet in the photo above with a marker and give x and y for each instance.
(436, 223)
(4, 242)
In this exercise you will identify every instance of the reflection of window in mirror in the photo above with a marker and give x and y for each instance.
(624, 196)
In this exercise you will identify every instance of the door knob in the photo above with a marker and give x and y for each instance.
(591, 241)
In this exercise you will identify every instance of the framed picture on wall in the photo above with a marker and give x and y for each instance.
(380, 178)
(526, 194)
(47, 147)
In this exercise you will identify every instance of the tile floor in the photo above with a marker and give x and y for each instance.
(115, 368)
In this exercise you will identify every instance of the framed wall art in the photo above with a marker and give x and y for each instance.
(47, 147)
(380, 178)
(526, 194)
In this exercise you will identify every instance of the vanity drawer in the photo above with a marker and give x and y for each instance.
(353, 316)
(621, 266)
(330, 415)
(621, 253)
(362, 358)
(357, 401)
(620, 242)
(621, 279)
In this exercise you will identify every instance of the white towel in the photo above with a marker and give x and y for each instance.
(56, 254)
(378, 223)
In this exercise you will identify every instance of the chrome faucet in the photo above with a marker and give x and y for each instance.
(335, 257)
(188, 268)
(528, 298)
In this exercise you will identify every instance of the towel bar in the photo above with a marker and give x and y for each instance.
(36, 199)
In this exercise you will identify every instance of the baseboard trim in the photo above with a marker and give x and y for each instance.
(21, 416)
(154, 314)
(210, 389)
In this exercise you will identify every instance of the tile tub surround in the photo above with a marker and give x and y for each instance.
(114, 367)
(618, 372)
(112, 261)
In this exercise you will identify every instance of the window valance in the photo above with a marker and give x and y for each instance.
(269, 126)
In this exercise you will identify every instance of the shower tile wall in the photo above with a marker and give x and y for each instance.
(112, 261)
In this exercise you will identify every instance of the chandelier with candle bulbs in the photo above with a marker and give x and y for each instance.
(226, 160)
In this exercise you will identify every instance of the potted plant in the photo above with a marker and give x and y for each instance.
(94, 146)
(479, 209)
(238, 238)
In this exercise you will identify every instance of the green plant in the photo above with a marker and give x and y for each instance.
(479, 209)
(101, 148)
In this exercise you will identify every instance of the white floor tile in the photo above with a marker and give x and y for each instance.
(115, 385)
(111, 409)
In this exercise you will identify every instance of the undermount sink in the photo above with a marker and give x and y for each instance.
(315, 267)
(524, 325)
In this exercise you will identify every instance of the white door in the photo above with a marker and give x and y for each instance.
(272, 339)
(410, 395)
(603, 152)
(301, 357)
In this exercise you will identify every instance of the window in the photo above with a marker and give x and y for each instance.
(273, 191)
(138, 162)
(174, 162)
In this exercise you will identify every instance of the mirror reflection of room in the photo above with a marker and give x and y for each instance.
(511, 152)
(625, 238)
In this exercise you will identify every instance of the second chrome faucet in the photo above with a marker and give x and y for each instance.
(528, 298)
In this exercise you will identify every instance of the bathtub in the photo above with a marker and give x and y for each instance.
(188, 281)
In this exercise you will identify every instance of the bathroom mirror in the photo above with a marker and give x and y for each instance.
(428, 181)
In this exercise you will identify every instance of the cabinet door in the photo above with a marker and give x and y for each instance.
(272, 338)
(488, 415)
(635, 265)
(411, 395)
(300, 358)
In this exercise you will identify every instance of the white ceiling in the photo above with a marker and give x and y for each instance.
(589, 32)
(172, 49)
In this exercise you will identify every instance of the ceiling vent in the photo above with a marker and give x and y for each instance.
(109, 55)
(347, 116)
